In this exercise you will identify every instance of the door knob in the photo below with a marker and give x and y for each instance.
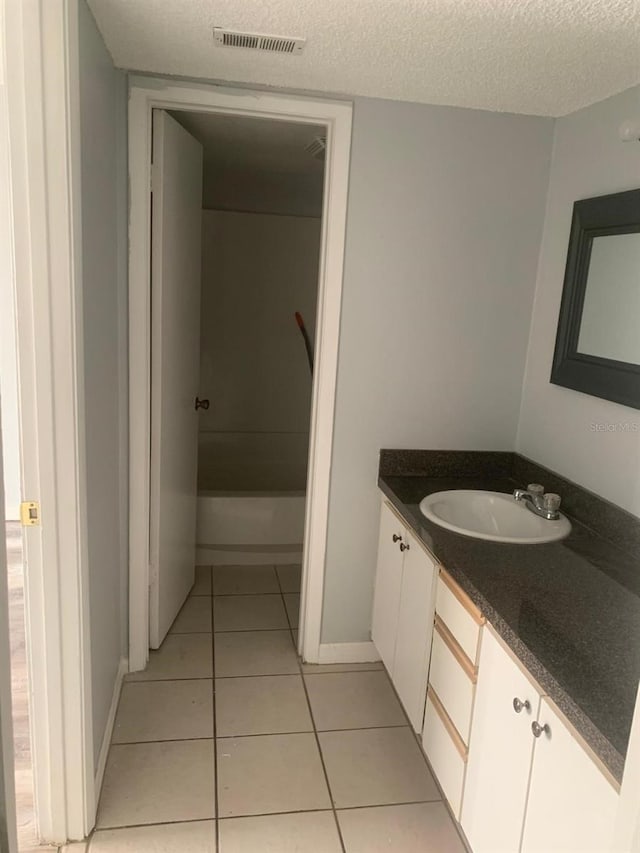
(518, 705)
(201, 404)
(537, 729)
(396, 538)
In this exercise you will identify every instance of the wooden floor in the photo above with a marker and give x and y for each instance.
(27, 840)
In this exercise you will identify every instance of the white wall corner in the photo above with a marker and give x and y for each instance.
(348, 653)
(123, 668)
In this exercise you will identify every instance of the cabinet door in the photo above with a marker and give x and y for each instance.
(415, 628)
(500, 750)
(571, 806)
(384, 624)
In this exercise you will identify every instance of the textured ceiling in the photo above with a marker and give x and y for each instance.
(257, 165)
(544, 57)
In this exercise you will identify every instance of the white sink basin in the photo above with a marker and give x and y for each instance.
(491, 515)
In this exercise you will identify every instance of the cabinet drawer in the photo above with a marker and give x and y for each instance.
(452, 676)
(459, 614)
(445, 751)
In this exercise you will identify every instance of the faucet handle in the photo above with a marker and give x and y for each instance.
(552, 502)
(535, 489)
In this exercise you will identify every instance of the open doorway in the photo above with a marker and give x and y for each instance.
(234, 338)
(26, 824)
(263, 183)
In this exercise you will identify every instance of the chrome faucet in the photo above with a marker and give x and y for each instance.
(546, 506)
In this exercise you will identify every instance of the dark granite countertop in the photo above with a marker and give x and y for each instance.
(569, 610)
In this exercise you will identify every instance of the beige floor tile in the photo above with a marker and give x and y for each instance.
(202, 585)
(195, 837)
(195, 616)
(255, 653)
(376, 767)
(353, 700)
(306, 832)
(244, 580)
(323, 668)
(261, 705)
(415, 828)
(156, 782)
(164, 710)
(270, 773)
(180, 656)
(249, 613)
(292, 603)
(289, 577)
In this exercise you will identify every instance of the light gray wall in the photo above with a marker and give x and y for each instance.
(257, 271)
(593, 442)
(444, 223)
(103, 100)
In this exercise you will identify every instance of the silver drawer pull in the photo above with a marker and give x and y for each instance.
(518, 705)
(537, 729)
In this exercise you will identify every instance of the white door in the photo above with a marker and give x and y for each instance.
(175, 367)
(415, 629)
(7, 791)
(500, 750)
(571, 806)
(386, 601)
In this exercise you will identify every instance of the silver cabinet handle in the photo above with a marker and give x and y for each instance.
(537, 729)
(518, 705)
(404, 547)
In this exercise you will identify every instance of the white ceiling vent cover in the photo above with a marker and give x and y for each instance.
(258, 41)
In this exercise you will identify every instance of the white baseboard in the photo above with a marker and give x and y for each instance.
(207, 556)
(123, 668)
(347, 653)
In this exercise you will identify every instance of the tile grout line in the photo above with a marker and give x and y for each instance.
(215, 739)
(313, 723)
(258, 734)
(266, 814)
(324, 768)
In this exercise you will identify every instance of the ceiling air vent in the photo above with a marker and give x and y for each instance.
(257, 41)
(317, 147)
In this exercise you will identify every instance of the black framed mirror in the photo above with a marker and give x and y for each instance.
(598, 340)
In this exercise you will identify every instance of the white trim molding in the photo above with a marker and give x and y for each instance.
(101, 763)
(145, 95)
(348, 653)
(43, 101)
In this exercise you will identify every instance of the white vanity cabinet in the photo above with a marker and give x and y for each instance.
(403, 607)
(514, 772)
(541, 794)
(571, 806)
(451, 690)
(500, 751)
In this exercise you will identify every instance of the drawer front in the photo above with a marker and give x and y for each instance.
(452, 684)
(443, 753)
(460, 615)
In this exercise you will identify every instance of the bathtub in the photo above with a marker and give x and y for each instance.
(251, 497)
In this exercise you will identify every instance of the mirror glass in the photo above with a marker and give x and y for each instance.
(610, 325)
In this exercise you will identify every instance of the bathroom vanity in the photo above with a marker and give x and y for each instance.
(517, 665)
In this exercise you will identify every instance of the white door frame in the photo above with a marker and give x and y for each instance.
(43, 105)
(145, 95)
